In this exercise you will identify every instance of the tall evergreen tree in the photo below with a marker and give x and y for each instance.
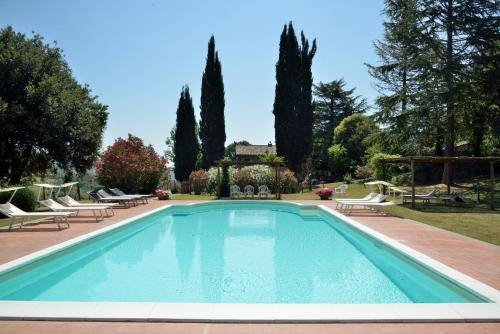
(293, 98)
(332, 103)
(212, 126)
(186, 145)
(404, 65)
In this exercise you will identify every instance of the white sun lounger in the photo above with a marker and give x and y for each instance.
(346, 200)
(13, 212)
(57, 207)
(374, 199)
(425, 198)
(72, 203)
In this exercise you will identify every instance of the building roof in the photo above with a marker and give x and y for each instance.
(255, 150)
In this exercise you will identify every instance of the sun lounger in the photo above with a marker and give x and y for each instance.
(344, 200)
(425, 198)
(13, 212)
(103, 197)
(72, 203)
(143, 198)
(378, 200)
(57, 207)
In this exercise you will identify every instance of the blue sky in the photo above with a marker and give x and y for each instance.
(136, 55)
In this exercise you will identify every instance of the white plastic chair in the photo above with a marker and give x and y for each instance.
(263, 190)
(249, 190)
(235, 191)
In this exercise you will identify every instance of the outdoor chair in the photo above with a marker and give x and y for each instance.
(58, 207)
(425, 198)
(72, 203)
(249, 190)
(235, 191)
(263, 191)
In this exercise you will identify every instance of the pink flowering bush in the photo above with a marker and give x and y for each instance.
(199, 181)
(162, 194)
(131, 166)
(324, 193)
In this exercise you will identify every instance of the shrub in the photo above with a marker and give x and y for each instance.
(242, 177)
(379, 172)
(288, 181)
(401, 179)
(338, 159)
(131, 166)
(163, 194)
(199, 181)
(24, 199)
(324, 192)
(347, 178)
(363, 172)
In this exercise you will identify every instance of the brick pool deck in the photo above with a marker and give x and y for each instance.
(477, 259)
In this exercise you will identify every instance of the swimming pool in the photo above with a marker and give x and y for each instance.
(234, 253)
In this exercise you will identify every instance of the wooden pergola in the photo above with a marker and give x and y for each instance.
(447, 161)
(228, 163)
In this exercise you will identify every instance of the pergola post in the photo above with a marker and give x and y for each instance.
(412, 167)
(492, 184)
(448, 177)
(277, 178)
(218, 182)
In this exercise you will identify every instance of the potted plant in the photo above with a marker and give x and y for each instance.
(162, 194)
(324, 193)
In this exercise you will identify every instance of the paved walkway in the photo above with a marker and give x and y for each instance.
(475, 258)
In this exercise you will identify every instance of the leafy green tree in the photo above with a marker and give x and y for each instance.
(186, 145)
(212, 124)
(292, 107)
(338, 159)
(355, 134)
(231, 149)
(47, 118)
(332, 103)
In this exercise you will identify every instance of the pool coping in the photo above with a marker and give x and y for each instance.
(267, 313)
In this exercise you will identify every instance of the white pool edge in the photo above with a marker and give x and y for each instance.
(273, 313)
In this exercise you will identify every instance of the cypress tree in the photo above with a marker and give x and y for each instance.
(212, 126)
(186, 145)
(292, 107)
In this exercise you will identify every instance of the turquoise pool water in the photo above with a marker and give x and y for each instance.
(232, 253)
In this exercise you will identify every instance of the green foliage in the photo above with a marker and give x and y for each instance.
(271, 158)
(332, 103)
(363, 172)
(212, 124)
(242, 177)
(338, 159)
(47, 117)
(288, 181)
(381, 172)
(224, 187)
(352, 138)
(186, 146)
(403, 179)
(199, 181)
(131, 166)
(438, 76)
(24, 199)
(230, 152)
(347, 178)
(292, 107)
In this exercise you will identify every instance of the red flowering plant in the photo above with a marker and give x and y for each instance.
(131, 166)
(324, 193)
(163, 194)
